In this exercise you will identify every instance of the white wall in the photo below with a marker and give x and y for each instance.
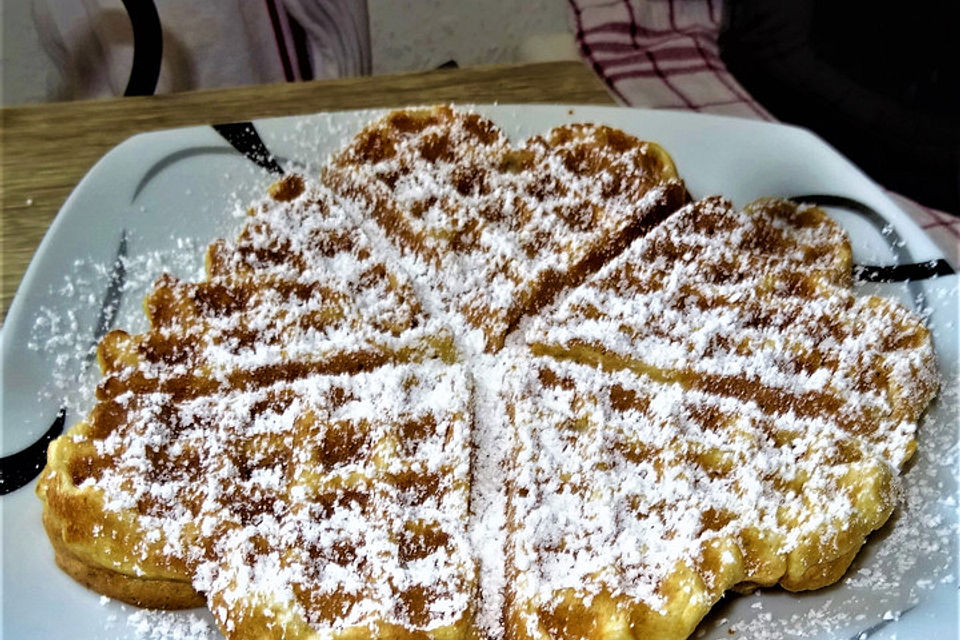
(25, 73)
(417, 35)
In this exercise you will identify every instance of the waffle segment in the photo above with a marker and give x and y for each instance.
(305, 508)
(635, 503)
(754, 304)
(190, 444)
(495, 230)
(371, 535)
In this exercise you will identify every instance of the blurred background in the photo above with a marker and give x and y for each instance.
(879, 80)
(65, 50)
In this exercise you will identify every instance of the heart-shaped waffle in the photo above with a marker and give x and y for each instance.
(689, 405)
(754, 304)
(713, 409)
(301, 290)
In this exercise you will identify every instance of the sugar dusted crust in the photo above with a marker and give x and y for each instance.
(752, 416)
(464, 388)
(152, 593)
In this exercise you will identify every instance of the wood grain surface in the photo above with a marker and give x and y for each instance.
(47, 148)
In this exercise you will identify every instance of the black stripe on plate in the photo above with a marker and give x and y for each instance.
(906, 272)
(903, 272)
(243, 137)
(18, 469)
(112, 297)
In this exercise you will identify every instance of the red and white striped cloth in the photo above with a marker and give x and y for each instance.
(664, 54)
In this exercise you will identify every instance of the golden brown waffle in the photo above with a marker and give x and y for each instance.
(371, 537)
(755, 304)
(635, 504)
(495, 231)
(301, 290)
(330, 503)
(222, 427)
(258, 319)
(740, 422)
(297, 443)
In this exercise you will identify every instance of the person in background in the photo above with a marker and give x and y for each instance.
(878, 80)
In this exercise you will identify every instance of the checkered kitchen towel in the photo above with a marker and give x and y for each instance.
(664, 54)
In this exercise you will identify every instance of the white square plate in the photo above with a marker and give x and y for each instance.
(172, 192)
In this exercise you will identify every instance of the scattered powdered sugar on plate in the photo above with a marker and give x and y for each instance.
(130, 623)
(171, 625)
(66, 333)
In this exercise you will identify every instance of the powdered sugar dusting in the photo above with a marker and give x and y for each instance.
(295, 442)
(618, 479)
(497, 229)
(741, 306)
(63, 333)
(164, 625)
(493, 442)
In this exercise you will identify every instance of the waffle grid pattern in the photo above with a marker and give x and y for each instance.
(694, 400)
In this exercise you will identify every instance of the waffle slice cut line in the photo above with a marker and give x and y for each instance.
(789, 336)
(498, 230)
